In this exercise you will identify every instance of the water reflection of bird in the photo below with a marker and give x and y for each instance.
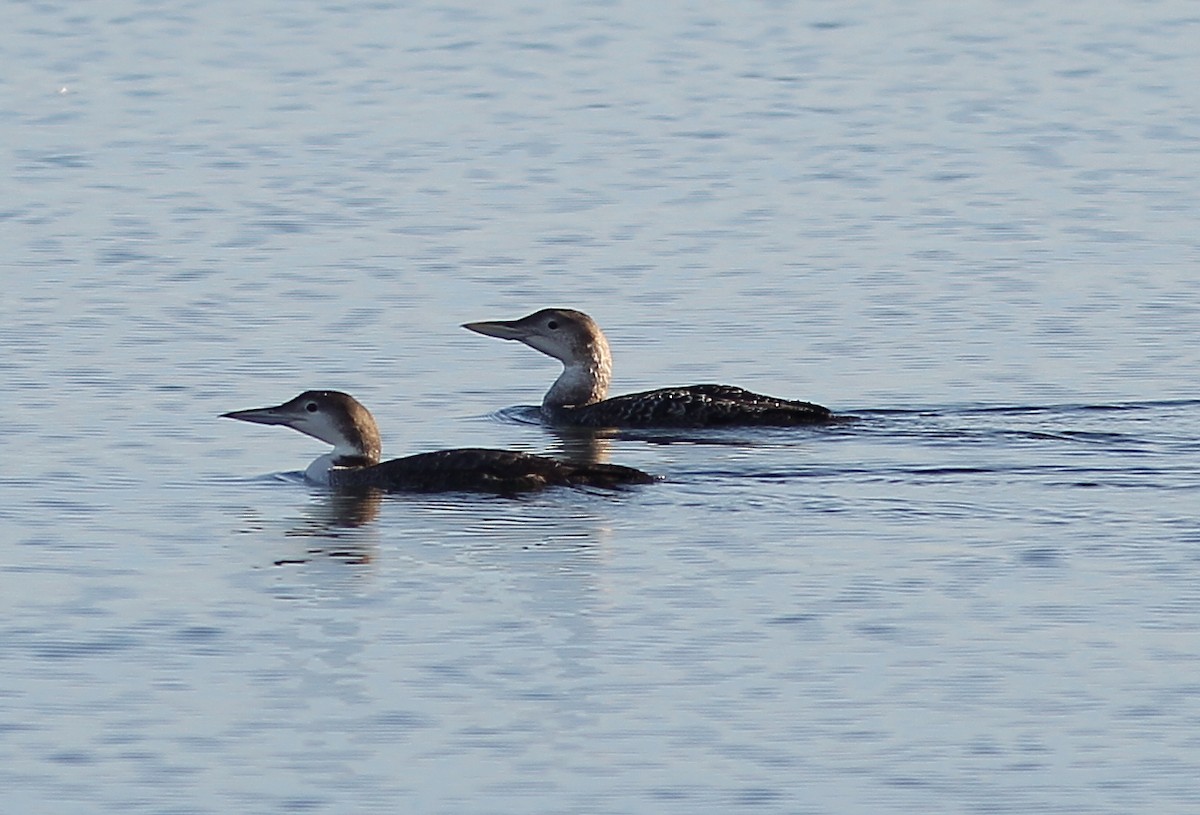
(337, 526)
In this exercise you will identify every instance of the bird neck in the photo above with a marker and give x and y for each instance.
(342, 455)
(318, 471)
(583, 381)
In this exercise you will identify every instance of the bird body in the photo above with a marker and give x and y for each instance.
(578, 396)
(354, 463)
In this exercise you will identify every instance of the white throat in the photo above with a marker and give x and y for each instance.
(579, 384)
(318, 471)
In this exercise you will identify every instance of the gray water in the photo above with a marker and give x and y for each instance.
(970, 224)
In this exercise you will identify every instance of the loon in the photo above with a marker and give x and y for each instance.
(341, 420)
(577, 397)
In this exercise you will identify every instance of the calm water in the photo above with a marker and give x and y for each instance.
(972, 225)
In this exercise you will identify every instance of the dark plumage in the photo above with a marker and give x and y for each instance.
(339, 419)
(691, 406)
(577, 397)
(484, 470)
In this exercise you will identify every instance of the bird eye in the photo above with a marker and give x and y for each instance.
(311, 407)
(552, 324)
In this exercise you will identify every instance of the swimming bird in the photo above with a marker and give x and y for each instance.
(578, 396)
(341, 420)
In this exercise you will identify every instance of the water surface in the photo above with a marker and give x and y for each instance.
(971, 225)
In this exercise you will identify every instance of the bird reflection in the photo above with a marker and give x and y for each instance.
(582, 445)
(339, 517)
